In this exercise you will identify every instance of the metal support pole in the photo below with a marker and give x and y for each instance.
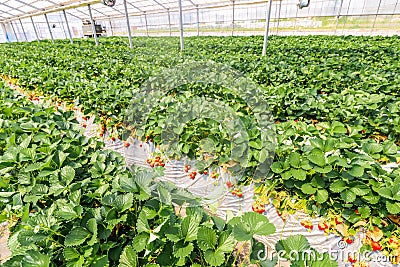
(233, 16)
(395, 7)
(15, 34)
(198, 20)
(128, 25)
(23, 30)
(145, 21)
(48, 26)
(347, 14)
(69, 31)
(295, 20)
(169, 23)
(93, 26)
(112, 32)
(376, 16)
(338, 16)
(34, 28)
(62, 25)
(363, 8)
(5, 32)
(181, 25)
(279, 16)
(268, 13)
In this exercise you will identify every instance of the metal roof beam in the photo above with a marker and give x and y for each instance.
(193, 3)
(11, 8)
(99, 11)
(87, 15)
(161, 5)
(118, 10)
(59, 7)
(70, 14)
(5, 11)
(136, 7)
(27, 4)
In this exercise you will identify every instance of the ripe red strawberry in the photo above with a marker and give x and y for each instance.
(84, 125)
(257, 208)
(229, 184)
(393, 240)
(141, 145)
(357, 212)
(187, 168)
(348, 240)
(113, 139)
(162, 164)
(84, 118)
(352, 259)
(152, 165)
(192, 176)
(376, 246)
(337, 220)
(239, 194)
(148, 161)
(205, 172)
(127, 144)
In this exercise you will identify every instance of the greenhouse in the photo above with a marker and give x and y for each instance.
(200, 133)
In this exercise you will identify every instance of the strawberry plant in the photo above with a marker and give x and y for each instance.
(335, 102)
(297, 249)
(69, 202)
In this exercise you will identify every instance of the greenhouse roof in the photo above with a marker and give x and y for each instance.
(11, 10)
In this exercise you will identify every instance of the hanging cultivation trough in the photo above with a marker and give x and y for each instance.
(203, 151)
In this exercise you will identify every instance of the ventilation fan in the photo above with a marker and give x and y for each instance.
(109, 3)
(303, 3)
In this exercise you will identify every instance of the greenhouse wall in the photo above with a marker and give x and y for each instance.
(328, 17)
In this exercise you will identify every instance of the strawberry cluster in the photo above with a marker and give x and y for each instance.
(193, 174)
(237, 192)
(31, 96)
(323, 226)
(307, 224)
(102, 131)
(155, 162)
(214, 175)
(258, 207)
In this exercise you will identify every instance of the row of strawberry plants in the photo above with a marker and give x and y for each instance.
(354, 79)
(336, 105)
(104, 81)
(69, 202)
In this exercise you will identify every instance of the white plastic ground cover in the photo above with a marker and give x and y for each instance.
(138, 152)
